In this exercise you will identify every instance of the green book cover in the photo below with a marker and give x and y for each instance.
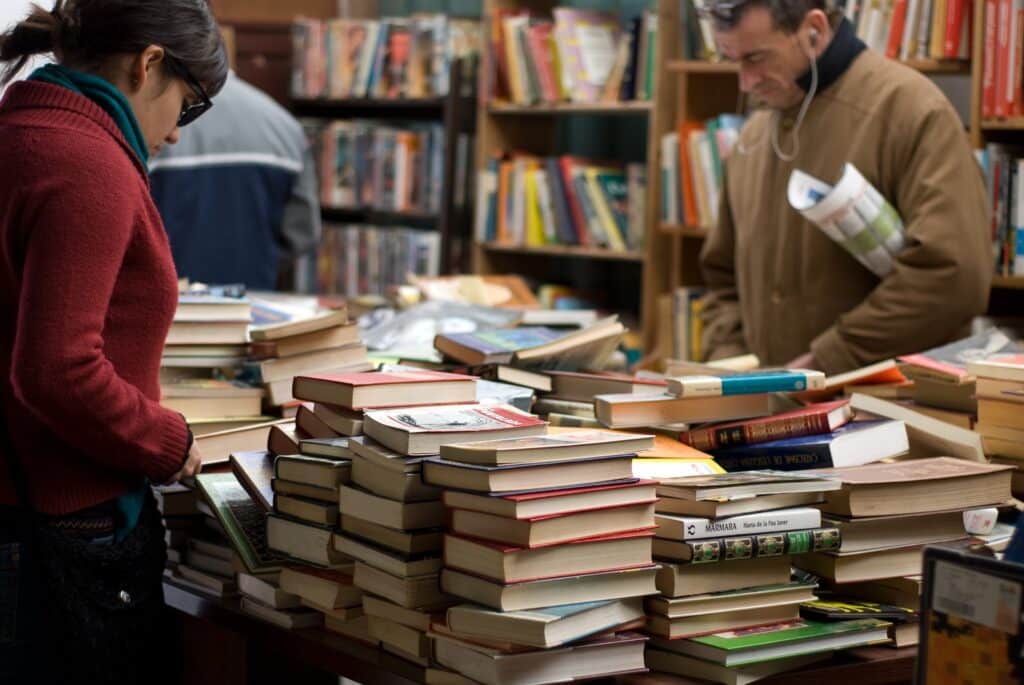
(791, 632)
(243, 520)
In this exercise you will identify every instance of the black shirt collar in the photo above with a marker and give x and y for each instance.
(836, 59)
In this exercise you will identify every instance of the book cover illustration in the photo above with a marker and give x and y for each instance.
(455, 419)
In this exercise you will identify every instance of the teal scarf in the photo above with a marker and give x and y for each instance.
(113, 102)
(104, 94)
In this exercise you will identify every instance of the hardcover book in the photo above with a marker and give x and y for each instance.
(692, 528)
(385, 389)
(810, 420)
(747, 383)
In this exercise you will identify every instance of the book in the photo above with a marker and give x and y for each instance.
(561, 446)
(266, 590)
(306, 509)
(391, 484)
(919, 486)
(748, 383)
(681, 580)
(605, 656)
(732, 548)
(332, 448)
(409, 643)
(303, 542)
(322, 473)
(729, 506)
(413, 618)
(385, 560)
(376, 453)
(795, 638)
(205, 397)
(385, 389)
(289, 619)
(413, 592)
(544, 628)
(280, 368)
(389, 513)
(340, 419)
(844, 608)
(926, 436)
(629, 411)
(747, 483)
(853, 444)
(735, 619)
(321, 587)
(283, 439)
(522, 477)
(1008, 367)
(510, 564)
(813, 419)
(793, 592)
(401, 541)
(948, 363)
(868, 533)
(314, 341)
(422, 430)
(255, 471)
(858, 567)
(582, 387)
(689, 667)
(537, 594)
(298, 325)
(552, 502)
(551, 530)
(692, 528)
(242, 520)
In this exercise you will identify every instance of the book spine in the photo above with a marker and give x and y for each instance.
(757, 432)
(713, 386)
(766, 545)
(770, 522)
(788, 461)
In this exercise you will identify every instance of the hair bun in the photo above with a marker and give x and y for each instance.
(66, 26)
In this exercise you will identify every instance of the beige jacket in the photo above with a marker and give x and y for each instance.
(780, 287)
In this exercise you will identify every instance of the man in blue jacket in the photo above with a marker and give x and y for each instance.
(238, 193)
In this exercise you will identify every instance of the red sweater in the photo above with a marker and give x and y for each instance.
(87, 293)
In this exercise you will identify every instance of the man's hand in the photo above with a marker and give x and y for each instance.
(193, 465)
(804, 361)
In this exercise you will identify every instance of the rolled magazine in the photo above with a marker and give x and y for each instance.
(853, 214)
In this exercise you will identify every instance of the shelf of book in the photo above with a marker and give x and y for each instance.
(625, 108)
(1011, 124)
(370, 215)
(695, 232)
(574, 251)
(1008, 282)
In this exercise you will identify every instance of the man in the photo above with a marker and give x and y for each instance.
(238, 191)
(779, 287)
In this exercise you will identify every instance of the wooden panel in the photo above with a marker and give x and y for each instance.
(273, 10)
(263, 56)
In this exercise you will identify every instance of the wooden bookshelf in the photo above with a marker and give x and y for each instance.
(1008, 282)
(1012, 124)
(695, 232)
(574, 251)
(457, 113)
(624, 108)
(925, 66)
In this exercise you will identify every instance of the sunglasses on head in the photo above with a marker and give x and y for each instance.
(191, 112)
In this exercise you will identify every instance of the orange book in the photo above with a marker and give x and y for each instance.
(505, 169)
(899, 19)
(686, 171)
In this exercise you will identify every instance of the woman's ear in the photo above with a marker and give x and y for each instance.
(146, 66)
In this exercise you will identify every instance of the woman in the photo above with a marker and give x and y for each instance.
(87, 294)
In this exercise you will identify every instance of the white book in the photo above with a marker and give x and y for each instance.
(695, 528)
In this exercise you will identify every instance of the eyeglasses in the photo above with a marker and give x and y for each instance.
(190, 113)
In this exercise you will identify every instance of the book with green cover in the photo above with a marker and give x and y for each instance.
(243, 520)
(780, 640)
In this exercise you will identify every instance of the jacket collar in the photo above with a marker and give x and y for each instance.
(53, 104)
(836, 59)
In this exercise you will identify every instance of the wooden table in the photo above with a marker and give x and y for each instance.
(224, 646)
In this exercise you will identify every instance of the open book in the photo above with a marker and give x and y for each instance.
(853, 213)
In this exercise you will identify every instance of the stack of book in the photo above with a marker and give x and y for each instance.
(371, 260)
(576, 55)
(324, 342)
(549, 539)
(886, 514)
(726, 542)
(393, 57)
(1000, 397)
(392, 521)
(178, 506)
(570, 401)
(692, 160)
(528, 200)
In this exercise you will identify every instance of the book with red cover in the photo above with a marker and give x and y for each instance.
(956, 15)
(988, 70)
(899, 19)
(511, 564)
(385, 389)
(948, 363)
(813, 419)
(255, 472)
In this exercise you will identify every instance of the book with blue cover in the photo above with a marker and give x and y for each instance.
(857, 443)
(747, 383)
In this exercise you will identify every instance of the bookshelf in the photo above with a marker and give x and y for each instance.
(457, 114)
(627, 277)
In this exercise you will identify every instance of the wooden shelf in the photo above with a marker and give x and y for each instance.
(573, 251)
(1012, 124)
(695, 66)
(377, 108)
(684, 231)
(369, 215)
(631, 107)
(925, 66)
(1008, 282)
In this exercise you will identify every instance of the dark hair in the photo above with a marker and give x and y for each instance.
(787, 15)
(84, 33)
